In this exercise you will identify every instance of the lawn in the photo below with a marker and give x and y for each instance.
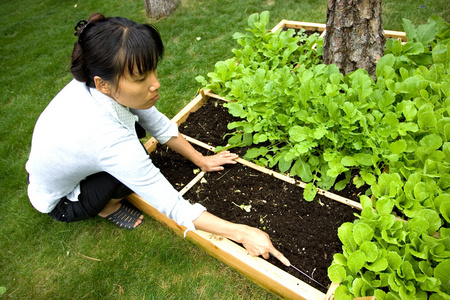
(45, 259)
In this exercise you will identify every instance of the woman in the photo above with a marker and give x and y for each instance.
(86, 155)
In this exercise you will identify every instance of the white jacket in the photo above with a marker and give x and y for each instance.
(78, 135)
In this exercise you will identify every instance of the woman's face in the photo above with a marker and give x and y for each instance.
(138, 91)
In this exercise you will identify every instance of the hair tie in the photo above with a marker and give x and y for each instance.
(81, 26)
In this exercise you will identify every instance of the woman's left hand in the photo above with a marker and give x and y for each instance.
(214, 162)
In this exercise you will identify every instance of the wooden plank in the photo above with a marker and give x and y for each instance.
(331, 290)
(321, 27)
(260, 271)
(400, 35)
(318, 27)
(280, 25)
(192, 106)
(210, 94)
(192, 183)
(151, 144)
(301, 184)
(199, 100)
(148, 209)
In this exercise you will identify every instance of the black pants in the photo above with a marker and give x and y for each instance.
(96, 191)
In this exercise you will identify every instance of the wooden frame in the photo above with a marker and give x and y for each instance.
(256, 269)
(320, 27)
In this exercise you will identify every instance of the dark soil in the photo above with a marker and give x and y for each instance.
(305, 232)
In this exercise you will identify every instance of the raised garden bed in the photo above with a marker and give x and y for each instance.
(264, 188)
(268, 274)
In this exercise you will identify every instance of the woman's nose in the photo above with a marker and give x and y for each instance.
(155, 86)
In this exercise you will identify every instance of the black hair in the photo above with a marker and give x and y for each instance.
(108, 47)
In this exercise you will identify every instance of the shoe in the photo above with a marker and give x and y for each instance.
(125, 216)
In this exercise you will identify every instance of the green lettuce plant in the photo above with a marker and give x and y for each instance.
(414, 254)
(392, 258)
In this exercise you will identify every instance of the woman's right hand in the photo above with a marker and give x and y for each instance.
(257, 243)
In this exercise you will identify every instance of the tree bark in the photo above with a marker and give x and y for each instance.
(354, 35)
(157, 9)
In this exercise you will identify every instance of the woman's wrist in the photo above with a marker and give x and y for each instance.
(213, 224)
(236, 233)
(198, 160)
(183, 147)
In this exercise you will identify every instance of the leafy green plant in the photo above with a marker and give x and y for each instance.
(294, 106)
(391, 258)
(413, 260)
(421, 156)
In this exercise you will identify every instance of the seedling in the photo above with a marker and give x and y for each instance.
(247, 208)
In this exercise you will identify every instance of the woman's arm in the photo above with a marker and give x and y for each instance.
(206, 163)
(256, 241)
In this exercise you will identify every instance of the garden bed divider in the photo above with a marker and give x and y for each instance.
(193, 182)
(256, 269)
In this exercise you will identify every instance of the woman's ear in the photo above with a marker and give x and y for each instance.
(102, 85)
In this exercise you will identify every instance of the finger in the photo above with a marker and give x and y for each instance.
(227, 154)
(277, 254)
(227, 159)
(224, 152)
(214, 169)
(250, 251)
(233, 156)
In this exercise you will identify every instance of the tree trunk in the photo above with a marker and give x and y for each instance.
(157, 9)
(354, 35)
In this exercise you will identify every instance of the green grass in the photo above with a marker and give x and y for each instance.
(44, 259)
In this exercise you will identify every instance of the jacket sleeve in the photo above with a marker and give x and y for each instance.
(156, 124)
